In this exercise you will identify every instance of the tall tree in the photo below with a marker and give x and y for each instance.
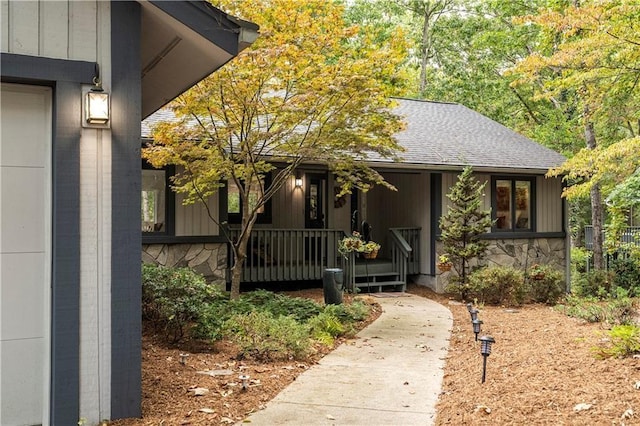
(463, 224)
(300, 93)
(593, 54)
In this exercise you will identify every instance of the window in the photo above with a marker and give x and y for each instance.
(153, 207)
(234, 202)
(512, 204)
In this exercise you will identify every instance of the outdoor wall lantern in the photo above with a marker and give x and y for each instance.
(298, 180)
(485, 350)
(474, 314)
(476, 327)
(96, 108)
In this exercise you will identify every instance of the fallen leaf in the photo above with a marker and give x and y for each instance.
(226, 420)
(214, 373)
(483, 408)
(207, 410)
(627, 414)
(637, 385)
(199, 391)
(582, 407)
(330, 417)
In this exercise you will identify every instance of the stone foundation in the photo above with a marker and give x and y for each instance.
(209, 260)
(517, 253)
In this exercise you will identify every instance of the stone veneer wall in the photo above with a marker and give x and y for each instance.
(209, 260)
(518, 253)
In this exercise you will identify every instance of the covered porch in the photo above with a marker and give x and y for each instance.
(304, 255)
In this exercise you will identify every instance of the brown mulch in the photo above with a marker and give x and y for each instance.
(540, 368)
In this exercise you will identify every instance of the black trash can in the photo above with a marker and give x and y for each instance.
(332, 282)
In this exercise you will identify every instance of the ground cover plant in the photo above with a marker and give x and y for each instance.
(545, 368)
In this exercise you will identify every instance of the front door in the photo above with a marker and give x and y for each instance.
(315, 202)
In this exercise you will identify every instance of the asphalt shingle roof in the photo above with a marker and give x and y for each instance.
(452, 135)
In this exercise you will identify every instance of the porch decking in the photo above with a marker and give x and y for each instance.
(304, 254)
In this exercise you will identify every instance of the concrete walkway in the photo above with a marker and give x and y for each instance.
(391, 374)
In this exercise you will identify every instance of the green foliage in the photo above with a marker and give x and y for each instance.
(624, 341)
(263, 336)
(614, 311)
(496, 286)
(325, 327)
(579, 258)
(278, 304)
(464, 222)
(593, 284)
(626, 275)
(548, 286)
(173, 298)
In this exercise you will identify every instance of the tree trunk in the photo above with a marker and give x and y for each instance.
(596, 205)
(239, 257)
(425, 47)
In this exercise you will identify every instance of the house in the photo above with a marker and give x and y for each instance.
(297, 234)
(70, 314)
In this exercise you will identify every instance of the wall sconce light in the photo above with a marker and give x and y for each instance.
(96, 109)
(298, 180)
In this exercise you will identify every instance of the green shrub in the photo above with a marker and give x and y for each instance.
(497, 285)
(549, 288)
(626, 275)
(624, 341)
(593, 284)
(174, 298)
(579, 258)
(613, 311)
(278, 304)
(348, 313)
(262, 336)
(325, 327)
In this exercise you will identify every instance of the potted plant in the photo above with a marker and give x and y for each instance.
(355, 243)
(444, 263)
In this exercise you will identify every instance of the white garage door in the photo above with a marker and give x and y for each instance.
(25, 253)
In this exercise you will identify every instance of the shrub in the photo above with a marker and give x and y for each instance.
(593, 284)
(262, 336)
(614, 311)
(497, 285)
(278, 304)
(579, 258)
(325, 327)
(349, 313)
(624, 341)
(173, 298)
(626, 274)
(549, 287)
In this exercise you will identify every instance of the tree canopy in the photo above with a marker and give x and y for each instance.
(310, 89)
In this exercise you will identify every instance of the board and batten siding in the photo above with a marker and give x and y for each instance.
(80, 31)
(193, 219)
(54, 29)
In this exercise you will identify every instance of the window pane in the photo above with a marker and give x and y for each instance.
(503, 204)
(523, 204)
(153, 200)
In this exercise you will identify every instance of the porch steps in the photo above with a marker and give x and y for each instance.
(375, 274)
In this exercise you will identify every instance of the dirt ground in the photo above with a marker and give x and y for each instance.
(541, 371)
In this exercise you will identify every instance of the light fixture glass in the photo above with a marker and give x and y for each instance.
(298, 180)
(97, 107)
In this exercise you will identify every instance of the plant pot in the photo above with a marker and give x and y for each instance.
(444, 267)
(371, 255)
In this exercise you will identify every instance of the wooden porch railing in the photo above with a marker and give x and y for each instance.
(290, 254)
(412, 237)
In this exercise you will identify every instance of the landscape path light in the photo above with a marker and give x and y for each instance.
(485, 350)
(474, 314)
(476, 327)
(245, 381)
